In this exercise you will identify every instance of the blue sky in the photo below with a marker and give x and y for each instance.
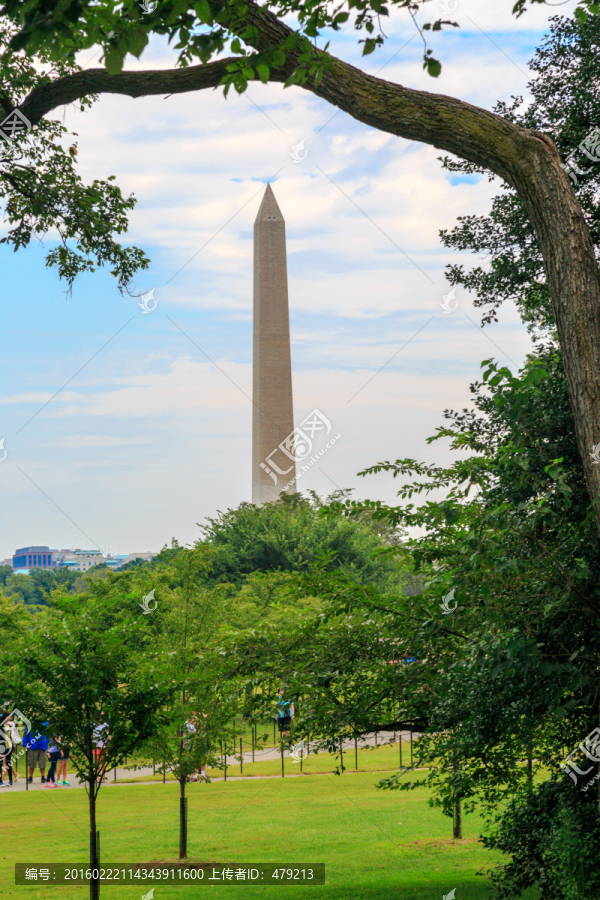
(151, 437)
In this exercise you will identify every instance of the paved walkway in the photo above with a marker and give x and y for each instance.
(122, 775)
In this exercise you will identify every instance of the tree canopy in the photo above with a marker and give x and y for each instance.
(565, 104)
(37, 586)
(289, 536)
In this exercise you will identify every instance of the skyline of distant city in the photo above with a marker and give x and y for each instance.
(42, 556)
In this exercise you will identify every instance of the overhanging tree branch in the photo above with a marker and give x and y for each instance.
(70, 88)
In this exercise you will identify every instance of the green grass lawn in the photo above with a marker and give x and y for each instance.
(375, 844)
(385, 758)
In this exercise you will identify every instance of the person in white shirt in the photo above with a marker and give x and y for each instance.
(101, 738)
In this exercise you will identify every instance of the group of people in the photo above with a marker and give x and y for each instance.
(39, 751)
(59, 763)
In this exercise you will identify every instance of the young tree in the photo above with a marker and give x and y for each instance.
(89, 667)
(189, 627)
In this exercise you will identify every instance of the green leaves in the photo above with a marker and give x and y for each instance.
(113, 60)
(136, 40)
(63, 27)
(88, 660)
(433, 66)
(42, 191)
(588, 7)
(263, 72)
(204, 12)
(511, 676)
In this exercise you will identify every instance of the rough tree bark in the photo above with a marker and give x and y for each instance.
(182, 819)
(94, 862)
(527, 160)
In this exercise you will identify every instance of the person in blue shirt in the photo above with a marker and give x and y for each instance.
(285, 713)
(36, 745)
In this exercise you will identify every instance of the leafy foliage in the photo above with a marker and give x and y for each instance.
(90, 658)
(204, 29)
(502, 684)
(289, 535)
(38, 585)
(550, 838)
(566, 106)
(42, 192)
(190, 626)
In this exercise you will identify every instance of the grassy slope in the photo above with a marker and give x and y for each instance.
(375, 844)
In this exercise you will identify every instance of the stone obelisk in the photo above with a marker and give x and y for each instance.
(273, 464)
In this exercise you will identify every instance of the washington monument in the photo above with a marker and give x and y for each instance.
(273, 464)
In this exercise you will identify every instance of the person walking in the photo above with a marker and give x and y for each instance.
(6, 747)
(285, 713)
(100, 738)
(16, 738)
(37, 747)
(63, 764)
(53, 756)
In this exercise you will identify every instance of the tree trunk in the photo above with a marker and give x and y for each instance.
(527, 160)
(94, 861)
(457, 814)
(457, 822)
(182, 820)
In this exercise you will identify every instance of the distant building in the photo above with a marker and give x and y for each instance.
(32, 558)
(116, 562)
(58, 557)
(78, 560)
(81, 560)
